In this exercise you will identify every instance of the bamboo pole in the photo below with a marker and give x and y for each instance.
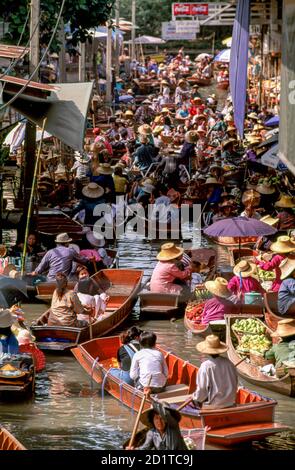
(31, 199)
(138, 416)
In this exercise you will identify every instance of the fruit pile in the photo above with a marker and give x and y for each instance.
(266, 275)
(194, 310)
(256, 343)
(202, 294)
(249, 325)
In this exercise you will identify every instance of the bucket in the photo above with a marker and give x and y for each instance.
(253, 298)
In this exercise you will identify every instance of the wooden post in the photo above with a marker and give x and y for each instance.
(82, 62)
(109, 67)
(62, 53)
(34, 34)
(133, 57)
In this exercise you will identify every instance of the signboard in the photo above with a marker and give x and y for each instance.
(187, 26)
(189, 9)
(169, 33)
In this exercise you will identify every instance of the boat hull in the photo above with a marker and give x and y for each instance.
(8, 441)
(233, 241)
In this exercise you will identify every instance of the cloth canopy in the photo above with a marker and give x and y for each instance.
(239, 227)
(273, 122)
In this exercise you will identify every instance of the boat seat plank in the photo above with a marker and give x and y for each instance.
(158, 308)
(246, 429)
(172, 399)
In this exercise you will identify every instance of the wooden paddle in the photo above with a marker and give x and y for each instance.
(139, 415)
(187, 402)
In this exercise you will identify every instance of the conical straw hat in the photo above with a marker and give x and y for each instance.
(212, 345)
(218, 287)
(283, 245)
(169, 252)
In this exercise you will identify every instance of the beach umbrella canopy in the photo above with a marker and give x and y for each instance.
(203, 55)
(223, 56)
(149, 40)
(227, 42)
(273, 122)
(239, 227)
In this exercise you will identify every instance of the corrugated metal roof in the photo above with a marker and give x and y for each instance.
(21, 82)
(13, 52)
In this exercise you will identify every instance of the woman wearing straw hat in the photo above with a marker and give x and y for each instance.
(168, 269)
(284, 351)
(285, 212)
(215, 308)
(217, 378)
(8, 341)
(286, 295)
(92, 195)
(280, 249)
(245, 279)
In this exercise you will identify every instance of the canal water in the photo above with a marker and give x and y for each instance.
(68, 412)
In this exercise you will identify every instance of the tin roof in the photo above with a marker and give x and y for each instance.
(21, 82)
(13, 52)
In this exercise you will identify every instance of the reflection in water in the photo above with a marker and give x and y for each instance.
(67, 413)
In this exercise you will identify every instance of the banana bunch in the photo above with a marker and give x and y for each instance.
(266, 275)
(256, 343)
(202, 294)
(249, 325)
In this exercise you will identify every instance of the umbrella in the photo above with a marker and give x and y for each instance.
(11, 291)
(239, 227)
(223, 56)
(273, 122)
(270, 158)
(149, 40)
(202, 56)
(227, 42)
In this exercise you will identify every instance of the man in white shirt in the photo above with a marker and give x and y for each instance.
(217, 378)
(148, 367)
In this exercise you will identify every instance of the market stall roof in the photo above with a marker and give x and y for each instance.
(13, 52)
(223, 56)
(14, 84)
(147, 40)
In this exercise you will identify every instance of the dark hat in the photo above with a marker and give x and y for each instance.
(147, 416)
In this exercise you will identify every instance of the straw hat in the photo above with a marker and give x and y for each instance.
(212, 180)
(265, 188)
(165, 110)
(147, 101)
(191, 137)
(251, 196)
(3, 251)
(169, 252)
(6, 318)
(211, 345)
(63, 238)
(201, 130)
(182, 82)
(253, 116)
(285, 328)
(130, 91)
(11, 271)
(245, 269)
(145, 129)
(129, 113)
(267, 219)
(96, 240)
(158, 129)
(231, 128)
(227, 142)
(258, 127)
(218, 287)
(197, 99)
(61, 169)
(283, 245)
(287, 266)
(148, 188)
(164, 82)
(93, 190)
(253, 140)
(24, 337)
(105, 169)
(147, 417)
(285, 201)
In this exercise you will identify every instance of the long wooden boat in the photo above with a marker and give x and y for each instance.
(17, 376)
(164, 304)
(251, 372)
(45, 290)
(122, 285)
(271, 312)
(252, 417)
(51, 222)
(200, 81)
(235, 254)
(8, 441)
(233, 241)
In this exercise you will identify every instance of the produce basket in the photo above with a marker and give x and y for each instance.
(257, 359)
(194, 438)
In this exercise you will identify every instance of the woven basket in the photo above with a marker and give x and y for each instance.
(167, 139)
(258, 360)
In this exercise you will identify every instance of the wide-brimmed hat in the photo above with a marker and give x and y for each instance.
(81, 157)
(148, 188)
(6, 318)
(169, 251)
(158, 129)
(285, 328)
(231, 128)
(130, 91)
(164, 82)
(145, 129)
(258, 127)
(287, 266)
(147, 101)
(165, 110)
(267, 219)
(93, 190)
(191, 137)
(129, 113)
(211, 345)
(245, 269)
(182, 82)
(227, 142)
(61, 169)
(25, 337)
(285, 201)
(147, 417)
(253, 116)
(218, 287)
(283, 244)
(212, 180)
(252, 140)
(104, 169)
(63, 238)
(3, 251)
(251, 196)
(97, 240)
(202, 130)
(265, 188)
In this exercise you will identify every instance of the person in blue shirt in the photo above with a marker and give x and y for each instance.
(286, 295)
(8, 341)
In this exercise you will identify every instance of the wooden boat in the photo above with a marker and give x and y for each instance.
(45, 289)
(251, 372)
(251, 418)
(165, 304)
(201, 81)
(233, 241)
(51, 222)
(236, 254)
(122, 285)
(271, 312)
(223, 85)
(8, 441)
(17, 375)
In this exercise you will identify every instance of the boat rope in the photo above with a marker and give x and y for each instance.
(133, 399)
(92, 370)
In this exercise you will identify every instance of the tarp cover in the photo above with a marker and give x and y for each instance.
(287, 103)
(239, 63)
(65, 109)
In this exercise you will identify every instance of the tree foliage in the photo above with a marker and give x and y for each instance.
(80, 14)
(149, 15)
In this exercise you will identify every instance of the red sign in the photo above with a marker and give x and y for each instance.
(189, 9)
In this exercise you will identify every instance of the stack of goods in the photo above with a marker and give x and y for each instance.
(194, 310)
(253, 339)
